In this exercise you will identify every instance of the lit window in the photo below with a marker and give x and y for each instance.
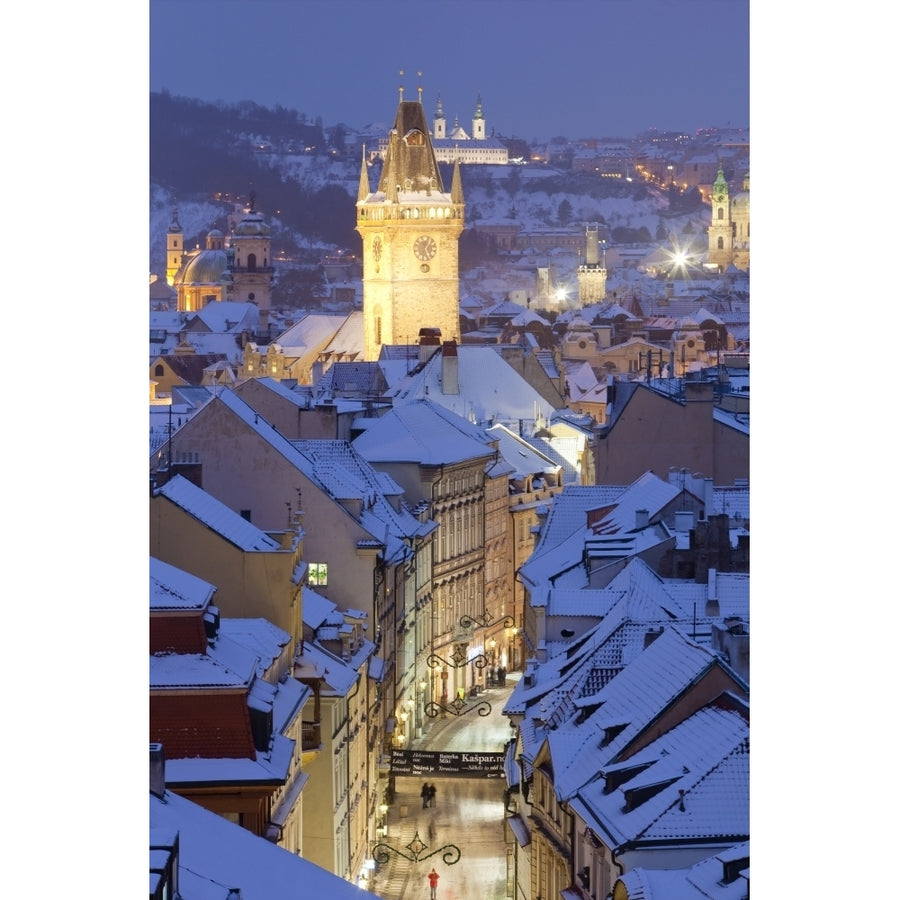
(318, 574)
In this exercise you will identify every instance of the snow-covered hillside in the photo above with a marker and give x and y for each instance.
(487, 194)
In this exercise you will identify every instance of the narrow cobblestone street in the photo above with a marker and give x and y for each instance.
(468, 813)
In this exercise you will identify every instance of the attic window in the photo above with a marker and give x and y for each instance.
(610, 733)
(617, 777)
(636, 796)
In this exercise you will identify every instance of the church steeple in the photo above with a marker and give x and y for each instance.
(440, 123)
(720, 185)
(478, 121)
(174, 248)
(720, 231)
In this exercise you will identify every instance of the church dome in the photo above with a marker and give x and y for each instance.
(252, 225)
(205, 267)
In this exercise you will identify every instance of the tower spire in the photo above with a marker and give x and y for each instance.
(456, 193)
(363, 191)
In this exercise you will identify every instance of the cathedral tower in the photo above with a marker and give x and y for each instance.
(721, 232)
(410, 228)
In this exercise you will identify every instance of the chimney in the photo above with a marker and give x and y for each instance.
(712, 594)
(651, 635)
(641, 519)
(528, 674)
(157, 770)
(450, 368)
(708, 495)
(429, 341)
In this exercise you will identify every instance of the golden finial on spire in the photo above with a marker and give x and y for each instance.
(419, 73)
(401, 87)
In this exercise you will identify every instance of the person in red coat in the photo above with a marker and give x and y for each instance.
(433, 880)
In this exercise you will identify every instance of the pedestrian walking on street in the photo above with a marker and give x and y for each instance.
(425, 794)
(432, 881)
(432, 790)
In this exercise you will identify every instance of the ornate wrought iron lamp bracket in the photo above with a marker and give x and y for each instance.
(483, 620)
(457, 707)
(450, 853)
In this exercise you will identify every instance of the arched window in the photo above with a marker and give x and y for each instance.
(721, 213)
(721, 243)
(159, 371)
(251, 262)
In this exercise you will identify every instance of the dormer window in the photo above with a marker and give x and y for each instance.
(636, 796)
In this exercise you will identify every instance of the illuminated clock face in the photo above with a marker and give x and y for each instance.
(424, 247)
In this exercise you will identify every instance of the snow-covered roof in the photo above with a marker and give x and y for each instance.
(172, 588)
(216, 857)
(228, 316)
(216, 515)
(702, 764)
(341, 470)
(566, 534)
(522, 457)
(702, 881)
(490, 390)
(423, 432)
(311, 331)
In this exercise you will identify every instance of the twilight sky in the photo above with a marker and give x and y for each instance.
(543, 67)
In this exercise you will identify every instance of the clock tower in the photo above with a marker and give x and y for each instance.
(410, 228)
(721, 230)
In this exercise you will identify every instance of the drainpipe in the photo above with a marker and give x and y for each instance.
(349, 812)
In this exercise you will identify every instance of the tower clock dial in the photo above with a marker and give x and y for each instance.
(424, 247)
